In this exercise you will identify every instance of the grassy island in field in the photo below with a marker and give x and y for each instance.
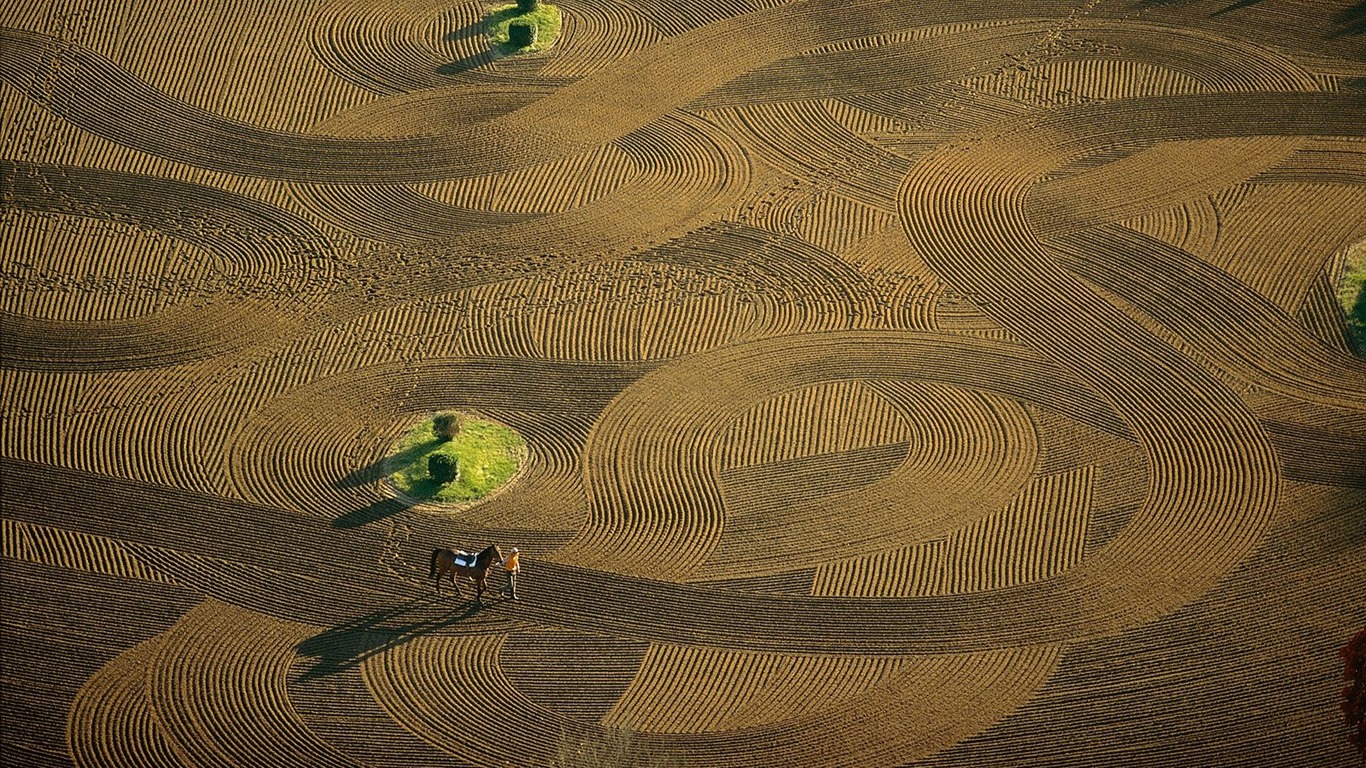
(487, 455)
(1352, 291)
(544, 17)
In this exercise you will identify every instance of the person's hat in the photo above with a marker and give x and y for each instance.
(514, 549)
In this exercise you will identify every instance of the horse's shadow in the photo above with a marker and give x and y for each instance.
(349, 644)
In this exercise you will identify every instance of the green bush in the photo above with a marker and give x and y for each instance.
(545, 17)
(446, 426)
(442, 467)
(521, 35)
(527, 6)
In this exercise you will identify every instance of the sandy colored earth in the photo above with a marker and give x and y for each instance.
(943, 383)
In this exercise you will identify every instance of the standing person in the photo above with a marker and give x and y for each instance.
(512, 567)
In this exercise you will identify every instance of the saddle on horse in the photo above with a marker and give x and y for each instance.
(466, 559)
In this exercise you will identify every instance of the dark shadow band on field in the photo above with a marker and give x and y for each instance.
(483, 58)
(349, 644)
(1350, 21)
(371, 513)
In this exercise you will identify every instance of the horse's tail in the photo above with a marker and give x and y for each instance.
(432, 571)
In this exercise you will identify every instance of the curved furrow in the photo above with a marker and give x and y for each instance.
(399, 47)
(1313, 454)
(909, 572)
(1192, 226)
(60, 627)
(703, 690)
(1229, 323)
(222, 304)
(1250, 244)
(68, 346)
(1071, 81)
(592, 36)
(327, 690)
(1042, 532)
(436, 211)
(62, 267)
(454, 694)
(677, 18)
(554, 187)
(1214, 478)
(1039, 535)
(1320, 315)
(268, 242)
(216, 685)
(81, 89)
(397, 214)
(936, 54)
(74, 550)
(1321, 161)
(309, 588)
(1151, 180)
(690, 173)
(810, 423)
(784, 284)
(737, 708)
(654, 454)
(578, 674)
(621, 310)
(112, 724)
(624, 311)
(270, 560)
(968, 454)
(929, 54)
(804, 140)
(430, 111)
(829, 221)
(92, 92)
(248, 61)
(919, 706)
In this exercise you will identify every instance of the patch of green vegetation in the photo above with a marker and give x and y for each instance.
(487, 455)
(1352, 291)
(545, 17)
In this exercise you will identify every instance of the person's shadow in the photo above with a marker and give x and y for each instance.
(349, 644)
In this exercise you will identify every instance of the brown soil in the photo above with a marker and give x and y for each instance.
(957, 384)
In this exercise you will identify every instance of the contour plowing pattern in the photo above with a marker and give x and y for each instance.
(945, 383)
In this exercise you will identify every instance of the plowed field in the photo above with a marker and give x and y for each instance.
(942, 383)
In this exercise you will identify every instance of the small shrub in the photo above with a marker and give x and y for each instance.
(521, 35)
(527, 6)
(447, 425)
(443, 468)
(544, 17)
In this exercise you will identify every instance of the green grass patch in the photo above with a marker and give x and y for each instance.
(1352, 291)
(546, 17)
(489, 454)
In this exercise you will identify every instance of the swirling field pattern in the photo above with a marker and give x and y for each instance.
(947, 383)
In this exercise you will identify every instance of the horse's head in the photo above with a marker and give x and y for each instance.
(497, 554)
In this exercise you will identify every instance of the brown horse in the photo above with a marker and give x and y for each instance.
(447, 560)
